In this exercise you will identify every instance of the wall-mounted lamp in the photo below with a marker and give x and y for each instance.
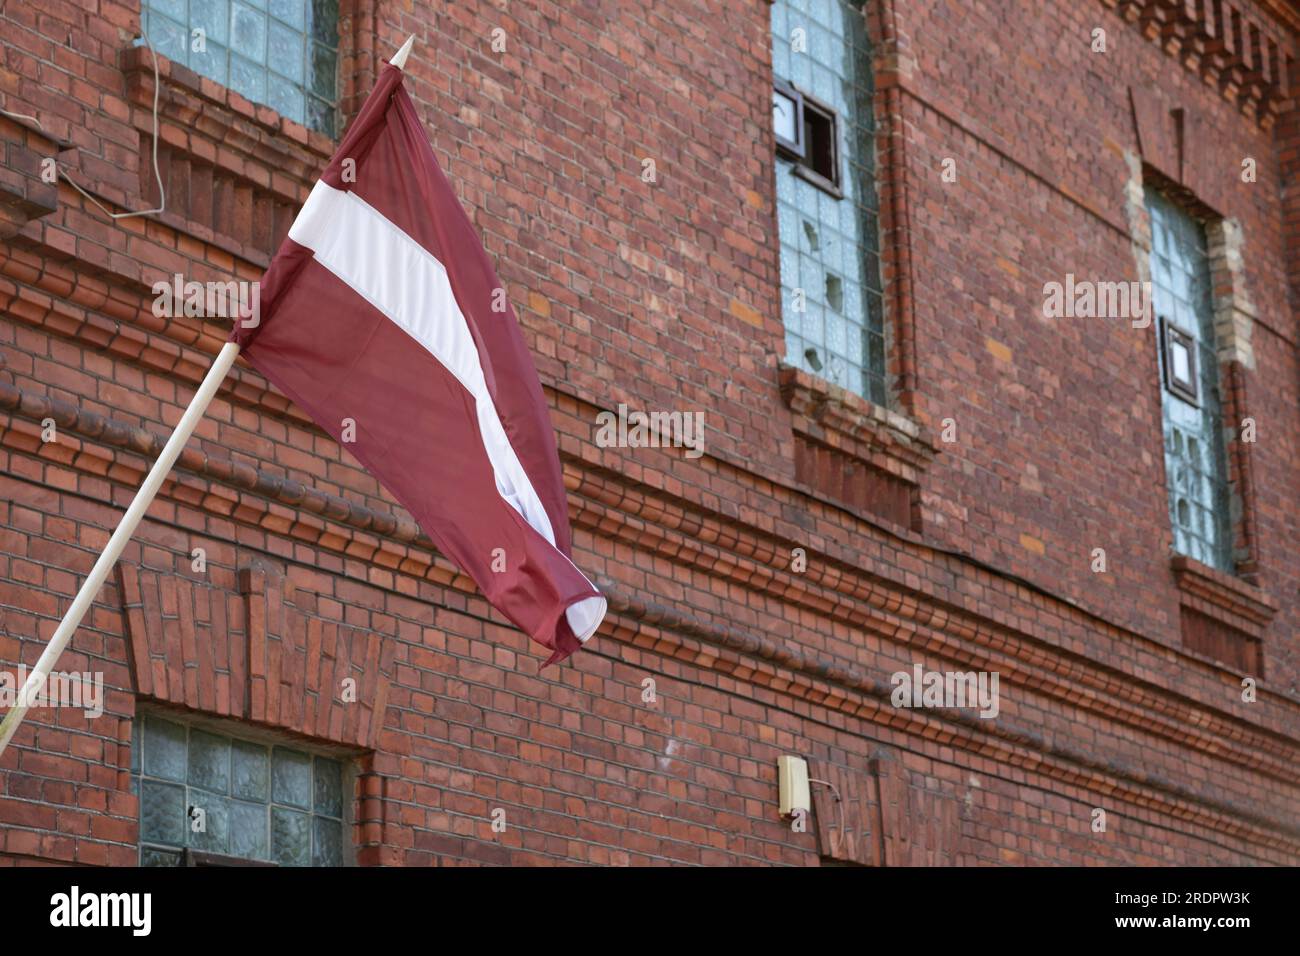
(792, 774)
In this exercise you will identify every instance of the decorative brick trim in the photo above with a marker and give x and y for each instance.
(361, 53)
(1224, 597)
(117, 320)
(920, 826)
(251, 131)
(1249, 60)
(768, 665)
(1231, 647)
(882, 817)
(836, 433)
(1235, 317)
(893, 67)
(1234, 311)
(256, 655)
(847, 817)
(1241, 472)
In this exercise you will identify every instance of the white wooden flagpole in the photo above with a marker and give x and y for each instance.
(131, 520)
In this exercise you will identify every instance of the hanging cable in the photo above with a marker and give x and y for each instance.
(162, 198)
(835, 844)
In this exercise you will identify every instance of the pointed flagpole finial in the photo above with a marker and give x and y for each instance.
(399, 58)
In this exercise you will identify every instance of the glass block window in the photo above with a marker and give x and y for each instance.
(829, 225)
(281, 53)
(1195, 464)
(259, 801)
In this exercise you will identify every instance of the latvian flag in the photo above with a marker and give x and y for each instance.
(382, 308)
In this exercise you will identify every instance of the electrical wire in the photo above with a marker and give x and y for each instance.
(162, 197)
(835, 844)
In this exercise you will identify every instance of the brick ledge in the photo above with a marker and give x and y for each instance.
(834, 416)
(137, 64)
(1223, 596)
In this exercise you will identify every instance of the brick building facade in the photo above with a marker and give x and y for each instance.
(1003, 506)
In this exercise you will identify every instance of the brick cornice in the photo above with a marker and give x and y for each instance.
(117, 320)
(1286, 12)
(837, 572)
(289, 508)
(1246, 57)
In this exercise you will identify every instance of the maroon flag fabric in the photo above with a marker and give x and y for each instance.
(382, 318)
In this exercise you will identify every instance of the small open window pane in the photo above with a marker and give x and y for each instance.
(785, 117)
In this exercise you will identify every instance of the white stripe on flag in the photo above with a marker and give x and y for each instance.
(405, 282)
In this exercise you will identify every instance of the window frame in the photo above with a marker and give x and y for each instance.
(237, 732)
(836, 160)
(793, 150)
(1198, 476)
(799, 153)
(1174, 336)
(804, 168)
(191, 857)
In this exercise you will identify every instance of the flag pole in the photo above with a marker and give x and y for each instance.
(131, 520)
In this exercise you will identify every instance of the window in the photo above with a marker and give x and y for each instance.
(1195, 464)
(820, 154)
(281, 53)
(205, 795)
(1180, 362)
(787, 118)
(806, 135)
(827, 210)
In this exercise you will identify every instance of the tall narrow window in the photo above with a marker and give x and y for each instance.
(281, 53)
(1195, 464)
(826, 199)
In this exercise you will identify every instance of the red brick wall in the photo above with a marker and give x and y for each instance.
(663, 296)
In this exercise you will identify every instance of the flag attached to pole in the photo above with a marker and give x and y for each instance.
(383, 319)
